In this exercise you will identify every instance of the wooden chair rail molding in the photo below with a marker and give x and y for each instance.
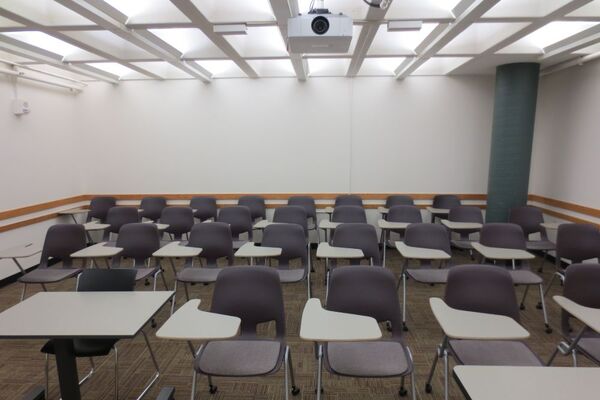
(376, 197)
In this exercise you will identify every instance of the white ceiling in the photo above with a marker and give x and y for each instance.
(173, 39)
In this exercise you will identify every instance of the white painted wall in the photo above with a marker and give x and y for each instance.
(566, 145)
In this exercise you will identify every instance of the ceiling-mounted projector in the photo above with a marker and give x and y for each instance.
(319, 31)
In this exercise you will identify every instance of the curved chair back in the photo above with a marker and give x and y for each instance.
(349, 214)
(482, 288)
(429, 236)
(215, 240)
(446, 201)
(179, 219)
(106, 280)
(369, 291)
(252, 294)
(348, 200)
(306, 202)
(239, 219)
(529, 219)
(501, 234)
(99, 207)
(152, 207)
(206, 207)
(292, 215)
(138, 241)
(398, 200)
(404, 214)
(291, 238)
(581, 286)
(466, 214)
(358, 236)
(119, 216)
(577, 242)
(61, 241)
(256, 204)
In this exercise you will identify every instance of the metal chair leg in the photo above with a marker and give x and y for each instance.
(187, 293)
(116, 372)
(446, 372)
(23, 291)
(548, 329)
(156, 374)
(286, 383)
(320, 372)
(174, 297)
(193, 395)
(295, 389)
(47, 374)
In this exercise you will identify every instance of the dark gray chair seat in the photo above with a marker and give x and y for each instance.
(198, 274)
(493, 352)
(240, 357)
(428, 275)
(542, 245)
(141, 273)
(590, 346)
(367, 359)
(85, 347)
(291, 275)
(525, 277)
(49, 275)
(239, 243)
(463, 244)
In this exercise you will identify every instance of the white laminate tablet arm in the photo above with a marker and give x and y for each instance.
(250, 249)
(588, 315)
(325, 250)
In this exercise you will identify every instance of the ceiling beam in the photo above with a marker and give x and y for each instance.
(556, 52)
(109, 18)
(468, 12)
(201, 22)
(284, 9)
(375, 17)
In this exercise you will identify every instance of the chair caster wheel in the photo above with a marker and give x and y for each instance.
(153, 323)
(295, 391)
(405, 328)
(403, 392)
(538, 306)
(213, 389)
(428, 388)
(548, 329)
(522, 306)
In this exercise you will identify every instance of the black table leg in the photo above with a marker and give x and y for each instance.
(67, 369)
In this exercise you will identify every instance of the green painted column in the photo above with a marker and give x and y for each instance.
(512, 135)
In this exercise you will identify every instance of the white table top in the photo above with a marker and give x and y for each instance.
(421, 253)
(457, 226)
(459, 324)
(528, 383)
(190, 323)
(95, 226)
(176, 249)
(498, 253)
(262, 224)
(438, 210)
(385, 224)
(325, 250)
(73, 211)
(326, 224)
(551, 225)
(325, 210)
(587, 315)
(320, 325)
(81, 314)
(99, 250)
(21, 251)
(250, 249)
(383, 210)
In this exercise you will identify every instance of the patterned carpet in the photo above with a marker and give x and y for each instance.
(21, 363)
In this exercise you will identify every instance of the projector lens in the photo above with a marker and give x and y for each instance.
(320, 25)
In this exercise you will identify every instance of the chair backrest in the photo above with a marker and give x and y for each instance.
(179, 219)
(358, 236)
(256, 204)
(119, 216)
(577, 242)
(206, 207)
(214, 239)
(291, 238)
(292, 215)
(369, 291)
(404, 214)
(398, 200)
(153, 207)
(349, 214)
(466, 214)
(139, 241)
(528, 218)
(238, 218)
(482, 288)
(429, 236)
(306, 202)
(99, 207)
(106, 280)
(504, 235)
(447, 201)
(581, 286)
(348, 200)
(252, 294)
(61, 241)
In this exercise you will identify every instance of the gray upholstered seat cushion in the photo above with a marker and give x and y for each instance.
(428, 275)
(367, 359)
(198, 274)
(239, 357)
(49, 275)
(493, 352)
(540, 245)
(591, 346)
(291, 275)
(525, 277)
